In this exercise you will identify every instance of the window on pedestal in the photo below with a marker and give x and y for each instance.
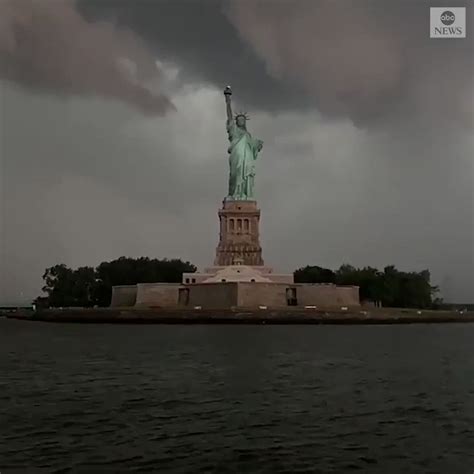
(246, 226)
(239, 225)
(231, 225)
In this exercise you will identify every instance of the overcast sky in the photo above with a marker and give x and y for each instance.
(113, 142)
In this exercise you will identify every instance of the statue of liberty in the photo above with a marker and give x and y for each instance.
(243, 151)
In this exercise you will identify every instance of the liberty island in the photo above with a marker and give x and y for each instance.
(239, 287)
(239, 278)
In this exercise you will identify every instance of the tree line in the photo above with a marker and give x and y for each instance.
(389, 287)
(88, 286)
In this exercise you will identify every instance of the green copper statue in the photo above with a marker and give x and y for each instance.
(243, 151)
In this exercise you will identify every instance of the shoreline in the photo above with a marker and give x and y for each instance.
(242, 316)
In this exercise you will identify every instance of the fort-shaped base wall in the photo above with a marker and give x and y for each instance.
(222, 295)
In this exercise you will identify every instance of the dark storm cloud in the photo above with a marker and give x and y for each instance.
(47, 45)
(369, 60)
(201, 39)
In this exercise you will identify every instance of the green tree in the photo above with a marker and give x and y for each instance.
(87, 286)
(67, 287)
(130, 271)
(314, 274)
(391, 287)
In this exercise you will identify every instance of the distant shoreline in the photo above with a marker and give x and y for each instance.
(242, 316)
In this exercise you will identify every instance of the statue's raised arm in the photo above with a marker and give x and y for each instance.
(227, 95)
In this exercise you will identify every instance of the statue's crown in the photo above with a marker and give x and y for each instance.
(242, 114)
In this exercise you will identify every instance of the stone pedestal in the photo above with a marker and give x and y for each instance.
(239, 241)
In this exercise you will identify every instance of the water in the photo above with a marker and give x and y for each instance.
(236, 399)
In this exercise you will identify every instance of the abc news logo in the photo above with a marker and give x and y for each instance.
(448, 22)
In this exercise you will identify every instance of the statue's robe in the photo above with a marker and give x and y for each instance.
(243, 151)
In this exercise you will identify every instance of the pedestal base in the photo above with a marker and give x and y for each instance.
(239, 234)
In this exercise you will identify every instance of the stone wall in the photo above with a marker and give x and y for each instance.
(195, 277)
(124, 295)
(229, 294)
(253, 295)
(213, 295)
(327, 296)
(253, 272)
(287, 278)
(163, 295)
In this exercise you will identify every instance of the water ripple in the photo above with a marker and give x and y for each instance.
(216, 399)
